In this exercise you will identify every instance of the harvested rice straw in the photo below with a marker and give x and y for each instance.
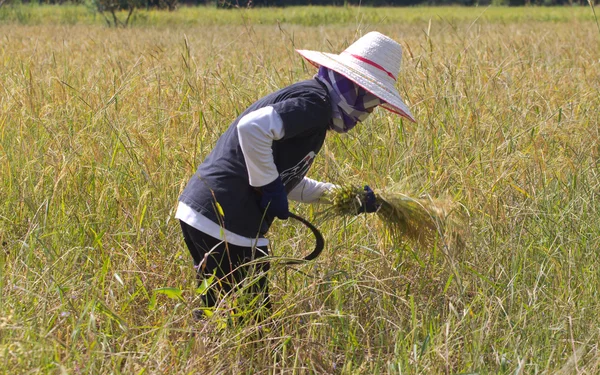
(407, 218)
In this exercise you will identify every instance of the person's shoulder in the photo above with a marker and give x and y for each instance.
(310, 92)
(310, 88)
(302, 104)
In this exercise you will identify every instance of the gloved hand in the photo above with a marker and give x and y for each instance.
(369, 203)
(274, 199)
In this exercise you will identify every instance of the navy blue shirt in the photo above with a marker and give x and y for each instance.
(305, 111)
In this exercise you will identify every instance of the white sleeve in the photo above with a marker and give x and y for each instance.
(309, 190)
(256, 132)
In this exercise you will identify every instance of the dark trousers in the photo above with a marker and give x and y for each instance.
(228, 264)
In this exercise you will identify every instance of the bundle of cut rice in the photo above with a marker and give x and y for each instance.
(416, 219)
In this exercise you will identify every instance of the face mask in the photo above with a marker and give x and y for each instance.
(353, 101)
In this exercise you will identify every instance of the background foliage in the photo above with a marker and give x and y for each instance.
(171, 4)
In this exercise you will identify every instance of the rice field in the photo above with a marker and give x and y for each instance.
(101, 128)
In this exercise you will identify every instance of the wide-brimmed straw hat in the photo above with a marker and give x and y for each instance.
(372, 62)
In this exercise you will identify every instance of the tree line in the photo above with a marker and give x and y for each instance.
(112, 10)
(173, 4)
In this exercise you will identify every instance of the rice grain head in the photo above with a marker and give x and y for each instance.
(420, 220)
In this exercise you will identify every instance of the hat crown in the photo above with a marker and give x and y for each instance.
(379, 50)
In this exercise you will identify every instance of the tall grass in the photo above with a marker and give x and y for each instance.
(100, 130)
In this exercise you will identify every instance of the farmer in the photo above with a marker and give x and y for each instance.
(261, 161)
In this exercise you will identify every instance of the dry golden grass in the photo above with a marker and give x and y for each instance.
(100, 129)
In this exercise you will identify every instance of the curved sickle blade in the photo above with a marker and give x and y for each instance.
(320, 242)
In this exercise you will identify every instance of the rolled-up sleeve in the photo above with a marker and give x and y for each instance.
(310, 191)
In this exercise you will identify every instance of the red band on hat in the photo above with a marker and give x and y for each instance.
(371, 63)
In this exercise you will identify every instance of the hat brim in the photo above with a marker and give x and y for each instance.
(377, 82)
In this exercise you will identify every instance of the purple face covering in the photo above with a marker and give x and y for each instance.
(351, 100)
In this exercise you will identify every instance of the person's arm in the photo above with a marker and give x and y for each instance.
(310, 191)
(256, 132)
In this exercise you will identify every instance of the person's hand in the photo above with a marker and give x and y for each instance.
(369, 202)
(274, 199)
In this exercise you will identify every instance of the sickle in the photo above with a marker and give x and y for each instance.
(318, 237)
(320, 242)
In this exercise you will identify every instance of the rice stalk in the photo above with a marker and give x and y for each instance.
(420, 220)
